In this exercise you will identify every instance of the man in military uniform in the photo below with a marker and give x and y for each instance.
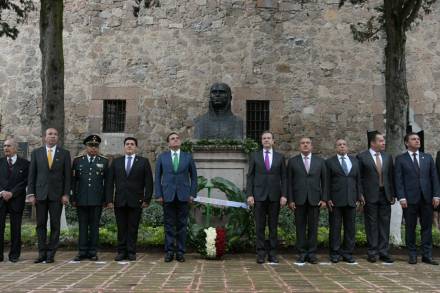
(89, 177)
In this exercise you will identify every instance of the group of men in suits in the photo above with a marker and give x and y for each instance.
(91, 183)
(307, 184)
(342, 183)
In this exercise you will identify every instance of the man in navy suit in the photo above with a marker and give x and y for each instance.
(175, 188)
(417, 189)
(344, 187)
(129, 189)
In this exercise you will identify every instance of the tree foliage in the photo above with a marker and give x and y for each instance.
(404, 15)
(13, 13)
(144, 4)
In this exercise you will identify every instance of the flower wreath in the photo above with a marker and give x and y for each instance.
(214, 244)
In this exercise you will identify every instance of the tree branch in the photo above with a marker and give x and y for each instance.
(408, 19)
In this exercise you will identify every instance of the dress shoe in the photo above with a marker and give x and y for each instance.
(169, 257)
(50, 260)
(349, 259)
(180, 257)
(120, 257)
(273, 259)
(93, 258)
(13, 259)
(260, 259)
(371, 258)
(301, 258)
(131, 256)
(335, 258)
(79, 257)
(412, 260)
(312, 259)
(429, 261)
(40, 259)
(386, 259)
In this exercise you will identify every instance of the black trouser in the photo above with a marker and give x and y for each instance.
(306, 219)
(377, 226)
(127, 220)
(54, 208)
(342, 216)
(15, 218)
(175, 217)
(88, 221)
(266, 212)
(423, 210)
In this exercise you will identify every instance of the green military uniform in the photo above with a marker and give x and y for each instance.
(89, 177)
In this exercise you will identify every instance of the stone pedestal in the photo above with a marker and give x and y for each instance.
(227, 162)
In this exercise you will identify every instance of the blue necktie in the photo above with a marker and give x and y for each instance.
(344, 166)
(128, 167)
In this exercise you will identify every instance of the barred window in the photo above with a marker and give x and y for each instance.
(114, 116)
(257, 118)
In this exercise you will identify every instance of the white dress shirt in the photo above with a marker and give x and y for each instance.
(347, 161)
(14, 159)
(172, 154)
(270, 156)
(373, 154)
(53, 150)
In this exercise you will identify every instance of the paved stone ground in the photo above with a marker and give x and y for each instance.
(236, 273)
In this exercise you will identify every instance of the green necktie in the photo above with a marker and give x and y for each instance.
(175, 161)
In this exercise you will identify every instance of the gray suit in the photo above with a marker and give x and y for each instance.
(49, 185)
(344, 191)
(266, 187)
(377, 210)
(306, 190)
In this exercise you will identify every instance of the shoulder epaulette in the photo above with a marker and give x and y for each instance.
(102, 156)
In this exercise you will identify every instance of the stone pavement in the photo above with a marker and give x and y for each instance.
(237, 273)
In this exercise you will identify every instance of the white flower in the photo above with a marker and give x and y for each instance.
(211, 235)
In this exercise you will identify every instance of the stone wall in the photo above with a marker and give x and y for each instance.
(301, 57)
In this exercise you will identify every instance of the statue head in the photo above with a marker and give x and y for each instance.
(220, 98)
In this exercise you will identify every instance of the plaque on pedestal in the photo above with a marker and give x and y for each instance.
(229, 162)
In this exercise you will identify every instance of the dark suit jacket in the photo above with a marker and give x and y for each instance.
(344, 190)
(410, 185)
(16, 183)
(131, 190)
(263, 184)
(51, 183)
(370, 177)
(182, 183)
(306, 187)
(89, 181)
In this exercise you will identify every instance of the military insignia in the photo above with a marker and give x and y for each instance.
(100, 165)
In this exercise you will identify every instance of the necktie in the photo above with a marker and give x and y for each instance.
(9, 166)
(344, 165)
(175, 161)
(267, 161)
(307, 164)
(379, 168)
(128, 167)
(49, 158)
(416, 164)
(91, 160)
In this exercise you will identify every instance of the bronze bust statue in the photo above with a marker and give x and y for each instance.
(219, 122)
